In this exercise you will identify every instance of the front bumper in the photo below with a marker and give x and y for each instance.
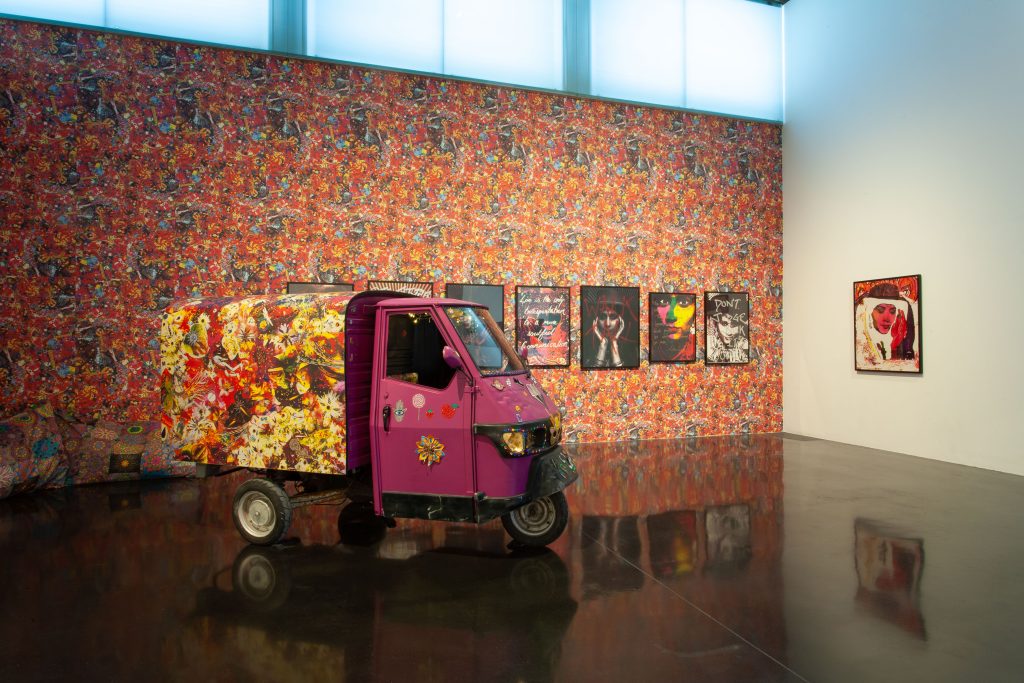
(549, 473)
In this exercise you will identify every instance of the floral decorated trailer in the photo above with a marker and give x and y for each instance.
(418, 407)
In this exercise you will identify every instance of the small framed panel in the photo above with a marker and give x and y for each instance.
(542, 325)
(887, 325)
(491, 296)
(609, 327)
(319, 287)
(726, 328)
(673, 337)
(424, 289)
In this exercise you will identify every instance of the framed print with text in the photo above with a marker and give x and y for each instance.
(726, 328)
(542, 325)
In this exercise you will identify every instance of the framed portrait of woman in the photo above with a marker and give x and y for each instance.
(609, 327)
(887, 325)
(726, 328)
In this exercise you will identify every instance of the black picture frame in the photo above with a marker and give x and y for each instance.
(662, 344)
(609, 327)
(491, 296)
(543, 324)
(726, 328)
(423, 289)
(299, 287)
(875, 350)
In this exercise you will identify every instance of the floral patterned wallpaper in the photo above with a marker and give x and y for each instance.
(136, 171)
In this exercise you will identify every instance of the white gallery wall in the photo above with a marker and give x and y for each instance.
(904, 154)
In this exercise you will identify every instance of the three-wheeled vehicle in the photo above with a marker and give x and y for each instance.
(416, 406)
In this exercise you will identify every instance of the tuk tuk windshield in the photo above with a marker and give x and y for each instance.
(484, 340)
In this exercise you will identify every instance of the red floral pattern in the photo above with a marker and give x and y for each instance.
(134, 172)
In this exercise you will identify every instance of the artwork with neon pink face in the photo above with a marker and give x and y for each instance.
(673, 334)
(887, 324)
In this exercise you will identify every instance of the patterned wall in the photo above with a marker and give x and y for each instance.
(137, 171)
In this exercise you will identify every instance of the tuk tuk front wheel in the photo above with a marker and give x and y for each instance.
(539, 522)
(262, 511)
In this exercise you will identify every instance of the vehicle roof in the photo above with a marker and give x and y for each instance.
(425, 301)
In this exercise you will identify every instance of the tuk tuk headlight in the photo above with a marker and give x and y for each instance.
(556, 428)
(515, 442)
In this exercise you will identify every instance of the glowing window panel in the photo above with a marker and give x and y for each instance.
(636, 50)
(402, 34)
(245, 23)
(734, 58)
(72, 11)
(507, 41)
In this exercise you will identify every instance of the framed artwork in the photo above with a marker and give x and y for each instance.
(609, 327)
(887, 324)
(491, 296)
(424, 289)
(673, 331)
(542, 325)
(726, 328)
(319, 287)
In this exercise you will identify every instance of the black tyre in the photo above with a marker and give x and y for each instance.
(262, 511)
(539, 522)
(261, 578)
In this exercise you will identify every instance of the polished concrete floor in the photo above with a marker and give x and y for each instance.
(763, 558)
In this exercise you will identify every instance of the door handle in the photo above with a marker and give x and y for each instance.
(387, 418)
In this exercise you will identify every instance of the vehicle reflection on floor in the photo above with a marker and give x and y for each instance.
(393, 608)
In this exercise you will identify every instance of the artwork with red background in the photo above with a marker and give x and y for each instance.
(136, 171)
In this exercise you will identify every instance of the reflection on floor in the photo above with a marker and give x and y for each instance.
(756, 558)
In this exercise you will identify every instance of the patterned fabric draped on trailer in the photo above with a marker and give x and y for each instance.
(257, 382)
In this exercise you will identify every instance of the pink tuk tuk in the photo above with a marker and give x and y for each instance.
(409, 407)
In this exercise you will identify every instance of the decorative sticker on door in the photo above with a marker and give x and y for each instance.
(399, 411)
(418, 402)
(430, 450)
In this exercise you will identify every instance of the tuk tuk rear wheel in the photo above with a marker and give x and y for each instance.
(539, 522)
(262, 511)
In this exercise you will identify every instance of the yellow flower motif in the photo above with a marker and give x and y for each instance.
(430, 450)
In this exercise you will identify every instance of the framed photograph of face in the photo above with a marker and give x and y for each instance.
(673, 330)
(424, 289)
(491, 296)
(542, 325)
(726, 328)
(609, 327)
(319, 287)
(887, 324)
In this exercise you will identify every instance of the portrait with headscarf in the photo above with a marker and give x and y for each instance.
(887, 324)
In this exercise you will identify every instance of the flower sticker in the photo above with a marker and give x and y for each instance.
(429, 450)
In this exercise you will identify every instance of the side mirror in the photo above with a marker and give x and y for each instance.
(452, 358)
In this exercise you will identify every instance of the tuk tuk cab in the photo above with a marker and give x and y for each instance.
(418, 407)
